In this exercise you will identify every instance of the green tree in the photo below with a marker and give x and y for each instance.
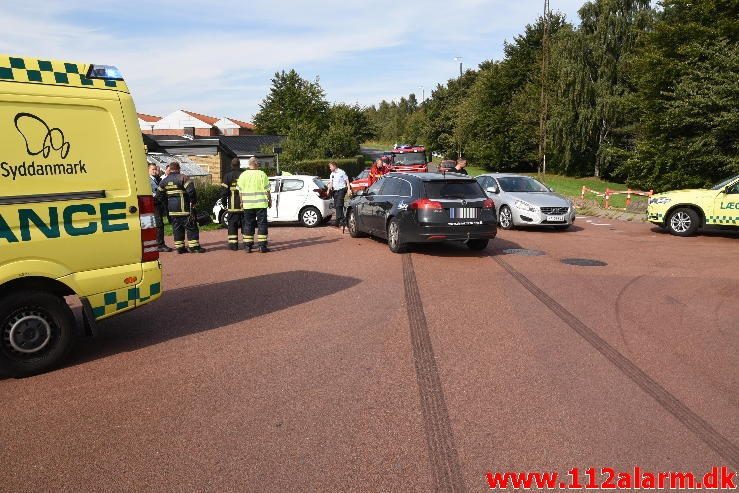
(688, 97)
(590, 108)
(291, 102)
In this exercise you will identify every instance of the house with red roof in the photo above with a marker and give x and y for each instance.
(232, 126)
(183, 122)
(189, 123)
(146, 122)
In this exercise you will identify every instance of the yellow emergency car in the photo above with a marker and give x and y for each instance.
(682, 212)
(76, 207)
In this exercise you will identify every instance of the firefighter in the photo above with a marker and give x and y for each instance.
(255, 199)
(177, 194)
(379, 168)
(231, 198)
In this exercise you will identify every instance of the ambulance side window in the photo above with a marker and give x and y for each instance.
(734, 189)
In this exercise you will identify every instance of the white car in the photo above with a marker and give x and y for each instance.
(295, 198)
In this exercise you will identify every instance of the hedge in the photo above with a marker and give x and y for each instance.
(208, 195)
(319, 167)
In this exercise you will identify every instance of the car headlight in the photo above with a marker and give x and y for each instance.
(659, 200)
(525, 206)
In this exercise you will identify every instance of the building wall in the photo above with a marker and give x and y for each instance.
(212, 164)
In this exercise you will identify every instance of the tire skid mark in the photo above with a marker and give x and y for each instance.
(700, 427)
(445, 465)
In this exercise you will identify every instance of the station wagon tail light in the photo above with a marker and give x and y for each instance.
(425, 204)
(148, 219)
(104, 72)
(488, 204)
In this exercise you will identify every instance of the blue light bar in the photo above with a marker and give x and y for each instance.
(107, 72)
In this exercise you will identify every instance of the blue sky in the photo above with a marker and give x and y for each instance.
(218, 58)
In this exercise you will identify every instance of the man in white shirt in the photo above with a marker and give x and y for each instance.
(338, 185)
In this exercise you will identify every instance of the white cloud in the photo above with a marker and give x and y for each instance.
(219, 59)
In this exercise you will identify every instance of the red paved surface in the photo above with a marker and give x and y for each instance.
(295, 370)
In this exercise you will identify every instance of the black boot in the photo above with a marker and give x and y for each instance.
(247, 248)
(197, 249)
(264, 249)
(181, 250)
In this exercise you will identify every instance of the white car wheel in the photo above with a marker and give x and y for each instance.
(310, 217)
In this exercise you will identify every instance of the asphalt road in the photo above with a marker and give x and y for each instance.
(332, 364)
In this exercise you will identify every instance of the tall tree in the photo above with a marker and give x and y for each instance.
(688, 97)
(291, 101)
(589, 65)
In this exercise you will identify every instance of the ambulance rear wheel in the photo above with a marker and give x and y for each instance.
(36, 332)
(683, 222)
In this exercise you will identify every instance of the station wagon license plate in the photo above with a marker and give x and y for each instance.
(464, 213)
(556, 219)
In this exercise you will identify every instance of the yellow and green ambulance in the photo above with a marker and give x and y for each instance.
(76, 208)
(683, 212)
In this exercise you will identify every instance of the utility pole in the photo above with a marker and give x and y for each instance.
(544, 98)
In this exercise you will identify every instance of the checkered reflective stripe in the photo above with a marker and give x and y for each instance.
(105, 304)
(54, 72)
(723, 220)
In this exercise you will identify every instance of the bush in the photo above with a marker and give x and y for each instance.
(319, 167)
(208, 195)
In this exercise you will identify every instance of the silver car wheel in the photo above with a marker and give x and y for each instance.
(310, 217)
(393, 234)
(680, 222)
(506, 218)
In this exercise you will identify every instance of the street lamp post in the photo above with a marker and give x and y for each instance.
(277, 150)
(423, 93)
(459, 59)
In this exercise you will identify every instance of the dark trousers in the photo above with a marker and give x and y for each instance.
(160, 228)
(182, 225)
(255, 219)
(234, 224)
(339, 196)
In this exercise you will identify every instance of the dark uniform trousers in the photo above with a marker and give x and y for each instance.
(235, 220)
(180, 226)
(255, 219)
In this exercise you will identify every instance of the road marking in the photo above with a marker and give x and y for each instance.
(600, 224)
(445, 466)
(702, 429)
(581, 217)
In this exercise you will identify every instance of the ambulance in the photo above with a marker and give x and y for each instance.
(683, 212)
(77, 221)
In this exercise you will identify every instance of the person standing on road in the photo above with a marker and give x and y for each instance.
(177, 191)
(159, 213)
(338, 184)
(460, 167)
(255, 199)
(231, 199)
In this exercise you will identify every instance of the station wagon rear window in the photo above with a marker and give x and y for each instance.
(453, 190)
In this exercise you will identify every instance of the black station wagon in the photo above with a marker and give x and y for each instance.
(407, 208)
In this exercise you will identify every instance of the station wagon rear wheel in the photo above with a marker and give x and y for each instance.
(36, 331)
(393, 237)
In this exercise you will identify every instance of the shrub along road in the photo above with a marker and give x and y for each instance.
(332, 364)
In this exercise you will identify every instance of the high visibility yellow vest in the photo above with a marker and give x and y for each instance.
(254, 185)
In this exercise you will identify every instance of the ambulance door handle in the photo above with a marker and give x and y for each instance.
(133, 209)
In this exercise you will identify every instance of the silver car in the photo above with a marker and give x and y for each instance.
(521, 200)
